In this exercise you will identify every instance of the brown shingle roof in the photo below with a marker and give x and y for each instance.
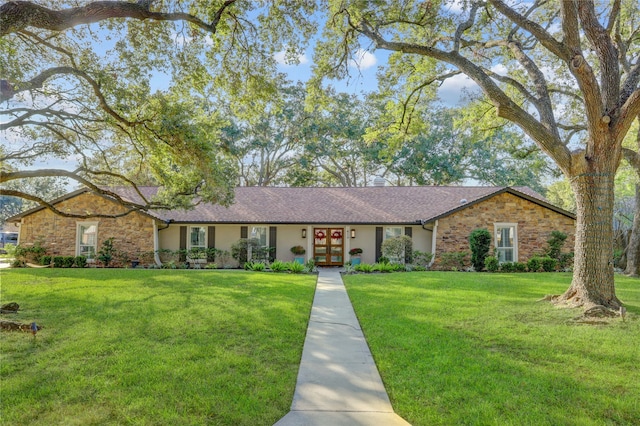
(369, 205)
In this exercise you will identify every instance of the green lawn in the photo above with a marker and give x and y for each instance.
(152, 347)
(463, 348)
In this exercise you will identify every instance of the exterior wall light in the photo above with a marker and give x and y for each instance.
(353, 233)
(304, 232)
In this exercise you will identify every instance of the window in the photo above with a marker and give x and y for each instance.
(87, 233)
(392, 232)
(197, 238)
(259, 233)
(506, 242)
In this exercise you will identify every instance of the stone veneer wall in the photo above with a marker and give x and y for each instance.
(132, 233)
(535, 224)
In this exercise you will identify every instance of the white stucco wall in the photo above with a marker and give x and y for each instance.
(291, 235)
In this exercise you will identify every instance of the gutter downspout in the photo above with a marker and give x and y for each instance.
(434, 239)
(156, 241)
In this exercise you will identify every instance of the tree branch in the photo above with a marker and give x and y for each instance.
(18, 14)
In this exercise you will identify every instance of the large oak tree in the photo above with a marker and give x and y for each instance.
(566, 72)
(97, 84)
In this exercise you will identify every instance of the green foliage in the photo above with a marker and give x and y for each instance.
(311, 266)
(10, 248)
(491, 263)
(422, 258)
(549, 264)
(384, 267)
(507, 267)
(31, 254)
(534, 264)
(295, 267)
(255, 266)
(555, 243)
(400, 248)
(278, 266)
(239, 249)
(365, 267)
(106, 252)
(298, 250)
(383, 259)
(520, 266)
(454, 261)
(480, 243)
(80, 261)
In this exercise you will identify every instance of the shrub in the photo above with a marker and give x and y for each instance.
(211, 254)
(295, 267)
(383, 267)
(45, 260)
(31, 254)
(549, 264)
(297, 250)
(257, 266)
(453, 260)
(383, 259)
(106, 253)
(400, 248)
(422, 258)
(507, 267)
(555, 243)
(80, 261)
(10, 248)
(278, 266)
(520, 266)
(479, 242)
(239, 249)
(534, 264)
(364, 267)
(416, 268)
(491, 264)
(311, 266)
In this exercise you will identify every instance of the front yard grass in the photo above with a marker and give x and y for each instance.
(467, 348)
(152, 347)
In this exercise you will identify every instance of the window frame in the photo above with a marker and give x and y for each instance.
(190, 246)
(387, 234)
(266, 235)
(514, 248)
(80, 234)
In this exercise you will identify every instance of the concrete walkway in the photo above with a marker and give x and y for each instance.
(338, 382)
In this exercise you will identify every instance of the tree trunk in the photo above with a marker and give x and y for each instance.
(593, 282)
(633, 249)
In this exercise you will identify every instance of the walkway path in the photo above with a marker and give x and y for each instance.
(338, 382)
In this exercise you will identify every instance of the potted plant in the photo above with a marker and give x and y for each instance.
(298, 254)
(355, 255)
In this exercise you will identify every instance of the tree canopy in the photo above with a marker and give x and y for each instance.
(77, 86)
(565, 72)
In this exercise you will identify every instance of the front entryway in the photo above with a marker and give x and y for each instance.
(328, 246)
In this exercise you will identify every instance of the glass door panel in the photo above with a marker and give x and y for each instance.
(328, 246)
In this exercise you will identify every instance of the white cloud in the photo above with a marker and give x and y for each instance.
(281, 58)
(363, 60)
(453, 89)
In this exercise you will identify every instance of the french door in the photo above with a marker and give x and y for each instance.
(328, 246)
